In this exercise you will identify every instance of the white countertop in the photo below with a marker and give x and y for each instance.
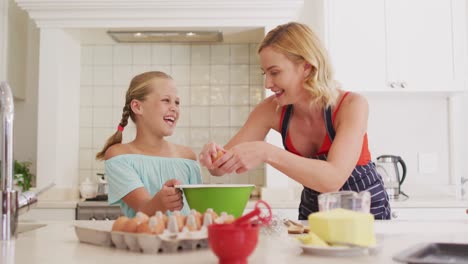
(57, 243)
(412, 202)
(429, 197)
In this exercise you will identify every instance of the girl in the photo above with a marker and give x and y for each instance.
(142, 173)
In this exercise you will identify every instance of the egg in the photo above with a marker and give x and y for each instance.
(119, 223)
(229, 219)
(191, 223)
(142, 216)
(197, 217)
(219, 154)
(180, 219)
(152, 226)
(132, 224)
(162, 217)
(225, 219)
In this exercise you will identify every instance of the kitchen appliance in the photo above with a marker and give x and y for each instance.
(88, 189)
(387, 167)
(97, 210)
(102, 186)
(350, 200)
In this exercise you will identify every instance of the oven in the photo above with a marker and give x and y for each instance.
(97, 210)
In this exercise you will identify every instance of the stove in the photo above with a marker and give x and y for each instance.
(97, 210)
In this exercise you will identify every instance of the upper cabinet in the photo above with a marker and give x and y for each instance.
(387, 45)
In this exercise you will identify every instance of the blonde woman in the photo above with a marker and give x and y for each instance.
(323, 127)
(142, 173)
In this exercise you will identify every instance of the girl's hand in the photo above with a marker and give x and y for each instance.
(169, 197)
(242, 157)
(209, 154)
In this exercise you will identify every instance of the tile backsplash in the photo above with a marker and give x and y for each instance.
(218, 85)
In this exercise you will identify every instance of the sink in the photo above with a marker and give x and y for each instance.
(27, 227)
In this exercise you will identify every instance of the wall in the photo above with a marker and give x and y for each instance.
(403, 125)
(23, 46)
(410, 125)
(3, 37)
(17, 44)
(464, 139)
(25, 124)
(218, 85)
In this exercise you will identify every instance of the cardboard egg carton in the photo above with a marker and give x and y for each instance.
(171, 237)
(101, 235)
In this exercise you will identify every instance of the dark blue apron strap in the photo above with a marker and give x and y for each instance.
(327, 116)
(285, 124)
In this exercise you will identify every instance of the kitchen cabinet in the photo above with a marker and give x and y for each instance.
(397, 45)
(49, 214)
(288, 213)
(435, 213)
(280, 212)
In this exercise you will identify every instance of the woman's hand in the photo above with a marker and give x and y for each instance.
(242, 157)
(170, 198)
(209, 154)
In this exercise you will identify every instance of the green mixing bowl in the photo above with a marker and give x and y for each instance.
(229, 198)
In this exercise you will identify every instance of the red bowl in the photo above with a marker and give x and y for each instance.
(232, 243)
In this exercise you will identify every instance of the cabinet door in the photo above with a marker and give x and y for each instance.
(420, 44)
(355, 37)
(429, 214)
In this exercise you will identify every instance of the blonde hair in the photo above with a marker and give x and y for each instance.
(299, 44)
(139, 88)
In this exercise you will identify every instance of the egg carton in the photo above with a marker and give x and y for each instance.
(99, 234)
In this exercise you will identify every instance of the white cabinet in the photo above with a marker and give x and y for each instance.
(382, 45)
(288, 213)
(49, 214)
(436, 213)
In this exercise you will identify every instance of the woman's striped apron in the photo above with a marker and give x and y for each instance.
(363, 177)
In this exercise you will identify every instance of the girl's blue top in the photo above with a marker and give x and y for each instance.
(128, 172)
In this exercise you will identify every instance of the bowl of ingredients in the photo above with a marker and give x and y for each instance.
(229, 198)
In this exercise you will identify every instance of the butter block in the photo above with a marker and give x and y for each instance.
(312, 239)
(346, 226)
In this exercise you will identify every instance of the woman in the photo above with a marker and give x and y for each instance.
(142, 173)
(323, 127)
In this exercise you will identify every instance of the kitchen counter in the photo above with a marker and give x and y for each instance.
(420, 202)
(57, 243)
(412, 202)
(63, 198)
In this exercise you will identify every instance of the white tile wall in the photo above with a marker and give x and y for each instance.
(218, 86)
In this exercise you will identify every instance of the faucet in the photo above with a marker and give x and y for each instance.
(9, 198)
(463, 181)
(11, 203)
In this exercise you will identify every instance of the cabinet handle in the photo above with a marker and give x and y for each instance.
(393, 85)
(394, 214)
(403, 85)
(466, 211)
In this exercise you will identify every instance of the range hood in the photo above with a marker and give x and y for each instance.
(166, 36)
(59, 57)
